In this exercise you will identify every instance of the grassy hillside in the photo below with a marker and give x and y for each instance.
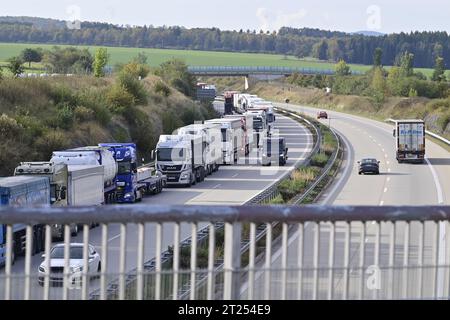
(38, 116)
(195, 58)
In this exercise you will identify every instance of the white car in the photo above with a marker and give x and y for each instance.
(76, 264)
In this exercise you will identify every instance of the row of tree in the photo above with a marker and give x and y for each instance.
(324, 45)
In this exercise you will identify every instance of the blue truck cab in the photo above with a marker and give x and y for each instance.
(20, 191)
(127, 180)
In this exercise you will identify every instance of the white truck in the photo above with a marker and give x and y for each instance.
(232, 139)
(410, 140)
(212, 140)
(260, 128)
(247, 128)
(181, 159)
(268, 108)
(92, 156)
(75, 185)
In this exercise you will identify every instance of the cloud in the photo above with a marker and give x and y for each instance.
(271, 22)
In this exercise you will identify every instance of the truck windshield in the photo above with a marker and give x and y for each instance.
(168, 154)
(75, 253)
(257, 123)
(270, 117)
(124, 167)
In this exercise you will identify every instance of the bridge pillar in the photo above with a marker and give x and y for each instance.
(246, 85)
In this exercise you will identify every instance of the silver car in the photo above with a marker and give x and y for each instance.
(76, 264)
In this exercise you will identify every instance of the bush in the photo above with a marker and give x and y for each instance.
(119, 99)
(298, 181)
(134, 87)
(51, 141)
(65, 117)
(9, 128)
(162, 89)
(96, 101)
(319, 160)
(84, 114)
(136, 69)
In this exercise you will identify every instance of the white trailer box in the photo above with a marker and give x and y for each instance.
(85, 185)
(232, 139)
(247, 127)
(410, 140)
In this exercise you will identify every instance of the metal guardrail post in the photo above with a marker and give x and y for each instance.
(232, 261)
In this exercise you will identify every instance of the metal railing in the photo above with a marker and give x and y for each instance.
(316, 252)
(247, 70)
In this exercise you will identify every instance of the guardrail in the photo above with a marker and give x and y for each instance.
(334, 252)
(247, 70)
(432, 134)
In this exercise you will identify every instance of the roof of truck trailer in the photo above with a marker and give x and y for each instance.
(9, 182)
(410, 120)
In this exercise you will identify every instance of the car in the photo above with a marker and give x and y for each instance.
(274, 150)
(76, 264)
(322, 115)
(369, 165)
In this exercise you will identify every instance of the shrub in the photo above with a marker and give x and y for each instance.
(65, 117)
(9, 128)
(119, 99)
(136, 69)
(84, 114)
(51, 141)
(162, 89)
(319, 160)
(134, 87)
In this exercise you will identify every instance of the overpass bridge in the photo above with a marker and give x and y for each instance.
(246, 71)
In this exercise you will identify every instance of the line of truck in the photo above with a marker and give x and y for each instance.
(109, 173)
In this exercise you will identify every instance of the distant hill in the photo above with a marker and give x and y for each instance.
(370, 33)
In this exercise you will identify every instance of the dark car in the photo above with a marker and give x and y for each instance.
(322, 115)
(274, 150)
(369, 165)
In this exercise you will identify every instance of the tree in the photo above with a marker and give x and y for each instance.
(100, 61)
(141, 58)
(439, 70)
(378, 86)
(15, 65)
(377, 57)
(31, 55)
(406, 64)
(342, 68)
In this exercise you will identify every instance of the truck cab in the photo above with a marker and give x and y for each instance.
(180, 158)
(274, 150)
(125, 156)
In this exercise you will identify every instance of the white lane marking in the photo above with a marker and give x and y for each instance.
(379, 144)
(389, 169)
(387, 162)
(217, 186)
(385, 190)
(381, 203)
(385, 155)
(442, 232)
(383, 150)
(388, 179)
(234, 176)
(114, 238)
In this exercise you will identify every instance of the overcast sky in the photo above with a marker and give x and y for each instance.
(345, 15)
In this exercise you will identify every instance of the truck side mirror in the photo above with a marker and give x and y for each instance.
(394, 133)
(63, 193)
(153, 155)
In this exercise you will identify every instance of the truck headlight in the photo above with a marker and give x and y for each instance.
(185, 176)
(41, 269)
(128, 195)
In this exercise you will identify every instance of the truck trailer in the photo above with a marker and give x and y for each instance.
(410, 140)
(232, 138)
(247, 128)
(92, 156)
(74, 185)
(20, 191)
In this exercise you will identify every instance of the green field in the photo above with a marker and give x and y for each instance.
(195, 58)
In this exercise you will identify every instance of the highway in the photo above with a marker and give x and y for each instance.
(232, 185)
(398, 184)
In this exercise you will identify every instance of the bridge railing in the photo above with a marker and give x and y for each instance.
(247, 70)
(310, 252)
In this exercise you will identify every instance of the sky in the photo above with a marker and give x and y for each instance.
(384, 16)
